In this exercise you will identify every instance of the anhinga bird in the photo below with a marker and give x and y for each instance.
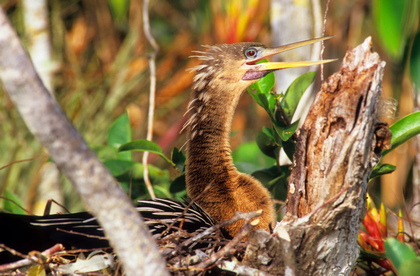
(212, 180)
(215, 187)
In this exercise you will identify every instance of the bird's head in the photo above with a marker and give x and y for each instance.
(236, 64)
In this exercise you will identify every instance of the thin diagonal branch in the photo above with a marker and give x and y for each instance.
(327, 5)
(99, 191)
(152, 92)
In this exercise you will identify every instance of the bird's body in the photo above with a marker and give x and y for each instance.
(25, 233)
(212, 180)
(215, 187)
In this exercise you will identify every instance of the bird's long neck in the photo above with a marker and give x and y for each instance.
(209, 154)
(212, 180)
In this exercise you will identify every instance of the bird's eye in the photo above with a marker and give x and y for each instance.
(251, 52)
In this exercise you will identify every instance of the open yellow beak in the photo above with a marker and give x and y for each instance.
(267, 52)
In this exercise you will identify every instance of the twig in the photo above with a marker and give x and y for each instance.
(31, 258)
(241, 269)
(80, 250)
(245, 230)
(16, 204)
(82, 234)
(152, 93)
(47, 210)
(322, 43)
(12, 251)
(100, 192)
(22, 160)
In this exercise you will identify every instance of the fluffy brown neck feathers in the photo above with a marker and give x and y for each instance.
(212, 180)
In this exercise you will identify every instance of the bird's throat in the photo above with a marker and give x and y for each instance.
(212, 180)
(209, 154)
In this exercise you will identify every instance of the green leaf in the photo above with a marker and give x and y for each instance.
(394, 21)
(255, 96)
(178, 185)
(289, 148)
(118, 167)
(403, 130)
(371, 255)
(263, 85)
(400, 254)
(278, 188)
(106, 152)
(161, 192)
(266, 175)
(269, 132)
(119, 10)
(275, 178)
(264, 101)
(261, 92)
(415, 61)
(286, 132)
(268, 102)
(410, 268)
(381, 169)
(13, 204)
(133, 182)
(267, 144)
(145, 145)
(141, 145)
(178, 158)
(120, 133)
(295, 92)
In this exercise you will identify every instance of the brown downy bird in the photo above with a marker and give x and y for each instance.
(214, 185)
(212, 180)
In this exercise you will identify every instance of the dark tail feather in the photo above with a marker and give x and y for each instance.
(25, 233)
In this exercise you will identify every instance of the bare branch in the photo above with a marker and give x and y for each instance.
(245, 230)
(152, 93)
(30, 259)
(99, 191)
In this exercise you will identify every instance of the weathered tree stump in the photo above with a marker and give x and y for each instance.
(337, 147)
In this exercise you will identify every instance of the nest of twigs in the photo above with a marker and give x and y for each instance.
(205, 252)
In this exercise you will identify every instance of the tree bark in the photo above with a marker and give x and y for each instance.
(100, 192)
(338, 145)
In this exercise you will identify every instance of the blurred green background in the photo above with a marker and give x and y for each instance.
(96, 66)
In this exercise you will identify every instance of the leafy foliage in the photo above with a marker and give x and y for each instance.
(120, 133)
(258, 158)
(117, 156)
(12, 203)
(99, 80)
(404, 258)
(295, 92)
(144, 145)
(394, 21)
(402, 131)
(373, 240)
(280, 109)
(381, 169)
